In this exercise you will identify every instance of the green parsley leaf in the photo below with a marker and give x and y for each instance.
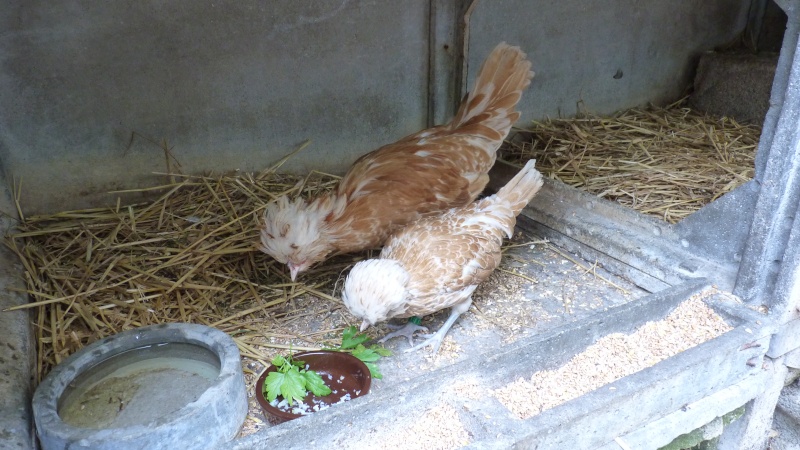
(278, 361)
(293, 386)
(373, 370)
(272, 385)
(315, 384)
(366, 354)
(381, 350)
(353, 343)
(299, 364)
(350, 339)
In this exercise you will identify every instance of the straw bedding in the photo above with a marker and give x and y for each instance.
(189, 255)
(665, 162)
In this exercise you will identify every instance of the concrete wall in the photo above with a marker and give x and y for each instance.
(609, 54)
(231, 84)
(237, 84)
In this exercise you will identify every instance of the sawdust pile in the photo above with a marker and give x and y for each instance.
(613, 357)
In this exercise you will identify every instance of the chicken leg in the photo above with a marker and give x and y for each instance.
(436, 338)
(406, 330)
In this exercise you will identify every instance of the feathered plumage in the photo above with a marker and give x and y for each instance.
(427, 172)
(438, 261)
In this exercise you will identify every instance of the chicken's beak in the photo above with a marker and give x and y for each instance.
(364, 325)
(293, 270)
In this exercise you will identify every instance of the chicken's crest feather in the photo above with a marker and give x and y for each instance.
(375, 290)
(292, 231)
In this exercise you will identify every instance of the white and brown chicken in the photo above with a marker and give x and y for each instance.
(427, 172)
(438, 261)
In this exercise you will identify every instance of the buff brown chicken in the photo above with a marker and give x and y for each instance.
(427, 172)
(438, 261)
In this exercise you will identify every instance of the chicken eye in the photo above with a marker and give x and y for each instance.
(294, 246)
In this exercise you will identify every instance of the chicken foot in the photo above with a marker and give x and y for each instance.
(406, 330)
(436, 338)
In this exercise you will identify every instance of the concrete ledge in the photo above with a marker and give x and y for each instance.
(787, 418)
(693, 416)
(17, 348)
(618, 409)
(650, 252)
(639, 399)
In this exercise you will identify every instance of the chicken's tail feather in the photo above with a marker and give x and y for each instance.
(501, 80)
(522, 188)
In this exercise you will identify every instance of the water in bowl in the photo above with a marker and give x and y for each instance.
(138, 386)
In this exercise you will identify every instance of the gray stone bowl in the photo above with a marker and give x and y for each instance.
(214, 417)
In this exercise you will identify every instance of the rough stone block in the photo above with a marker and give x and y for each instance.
(734, 85)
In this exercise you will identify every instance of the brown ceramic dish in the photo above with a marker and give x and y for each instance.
(343, 373)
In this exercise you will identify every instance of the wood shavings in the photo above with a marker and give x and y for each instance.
(613, 357)
(502, 304)
(467, 389)
(515, 307)
(666, 162)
